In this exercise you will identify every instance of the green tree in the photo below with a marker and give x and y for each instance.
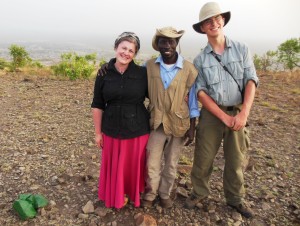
(268, 60)
(102, 61)
(288, 53)
(257, 62)
(20, 56)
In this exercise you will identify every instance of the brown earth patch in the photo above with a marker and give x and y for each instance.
(47, 147)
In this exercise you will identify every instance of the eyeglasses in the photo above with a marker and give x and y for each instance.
(211, 20)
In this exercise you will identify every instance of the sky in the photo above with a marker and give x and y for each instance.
(262, 24)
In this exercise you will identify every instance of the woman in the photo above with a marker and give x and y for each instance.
(121, 125)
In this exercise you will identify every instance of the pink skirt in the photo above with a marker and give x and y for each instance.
(122, 170)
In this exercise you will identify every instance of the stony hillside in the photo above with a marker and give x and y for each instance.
(47, 147)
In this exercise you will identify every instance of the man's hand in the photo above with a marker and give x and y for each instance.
(240, 121)
(186, 99)
(102, 71)
(189, 137)
(229, 121)
(190, 134)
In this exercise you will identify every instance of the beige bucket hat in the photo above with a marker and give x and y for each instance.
(168, 32)
(210, 9)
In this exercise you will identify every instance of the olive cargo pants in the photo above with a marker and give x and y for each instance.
(210, 133)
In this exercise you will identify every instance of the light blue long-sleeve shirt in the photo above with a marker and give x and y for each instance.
(216, 82)
(168, 74)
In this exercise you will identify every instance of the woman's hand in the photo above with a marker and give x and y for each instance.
(99, 140)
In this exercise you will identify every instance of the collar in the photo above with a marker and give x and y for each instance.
(209, 49)
(111, 64)
(178, 63)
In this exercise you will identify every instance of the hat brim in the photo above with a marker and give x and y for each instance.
(226, 15)
(159, 34)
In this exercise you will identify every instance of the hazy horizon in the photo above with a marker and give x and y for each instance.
(262, 24)
(189, 46)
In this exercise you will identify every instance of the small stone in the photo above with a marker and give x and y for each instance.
(236, 216)
(181, 191)
(265, 206)
(101, 212)
(88, 208)
(159, 209)
(145, 220)
(83, 216)
(199, 205)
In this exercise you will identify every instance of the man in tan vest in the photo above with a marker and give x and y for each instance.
(172, 120)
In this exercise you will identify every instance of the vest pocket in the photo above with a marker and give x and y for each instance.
(180, 122)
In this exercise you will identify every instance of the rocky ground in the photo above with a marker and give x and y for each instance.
(47, 147)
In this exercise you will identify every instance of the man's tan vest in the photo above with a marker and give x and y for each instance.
(168, 106)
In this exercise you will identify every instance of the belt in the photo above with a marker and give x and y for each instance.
(227, 108)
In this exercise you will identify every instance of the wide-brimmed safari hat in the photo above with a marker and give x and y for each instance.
(210, 9)
(168, 32)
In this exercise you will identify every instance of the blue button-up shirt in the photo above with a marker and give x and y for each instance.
(167, 75)
(216, 82)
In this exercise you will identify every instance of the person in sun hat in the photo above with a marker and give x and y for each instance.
(121, 123)
(226, 94)
(172, 117)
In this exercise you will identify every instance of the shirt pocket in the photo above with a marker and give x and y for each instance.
(235, 66)
(213, 80)
(111, 117)
(131, 121)
(137, 83)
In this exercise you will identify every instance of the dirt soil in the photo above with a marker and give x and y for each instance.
(47, 147)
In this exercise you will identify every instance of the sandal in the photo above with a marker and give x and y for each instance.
(125, 200)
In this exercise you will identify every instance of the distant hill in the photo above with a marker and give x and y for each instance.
(49, 53)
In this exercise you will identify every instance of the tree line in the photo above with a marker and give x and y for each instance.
(73, 66)
(286, 57)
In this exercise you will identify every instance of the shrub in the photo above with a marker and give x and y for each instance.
(36, 64)
(3, 64)
(20, 56)
(102, 61)
(74, 66)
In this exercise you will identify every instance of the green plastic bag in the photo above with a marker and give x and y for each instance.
(24, 208)
(39, 201)
(24, 196)
(27, 197)
(27, 205)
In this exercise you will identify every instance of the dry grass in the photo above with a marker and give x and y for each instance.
(35, 73)
(296, 91)
(286, 76)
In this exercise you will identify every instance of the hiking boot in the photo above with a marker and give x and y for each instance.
(146, 203)
(243, 210)
(166, 203)
(192, 201)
